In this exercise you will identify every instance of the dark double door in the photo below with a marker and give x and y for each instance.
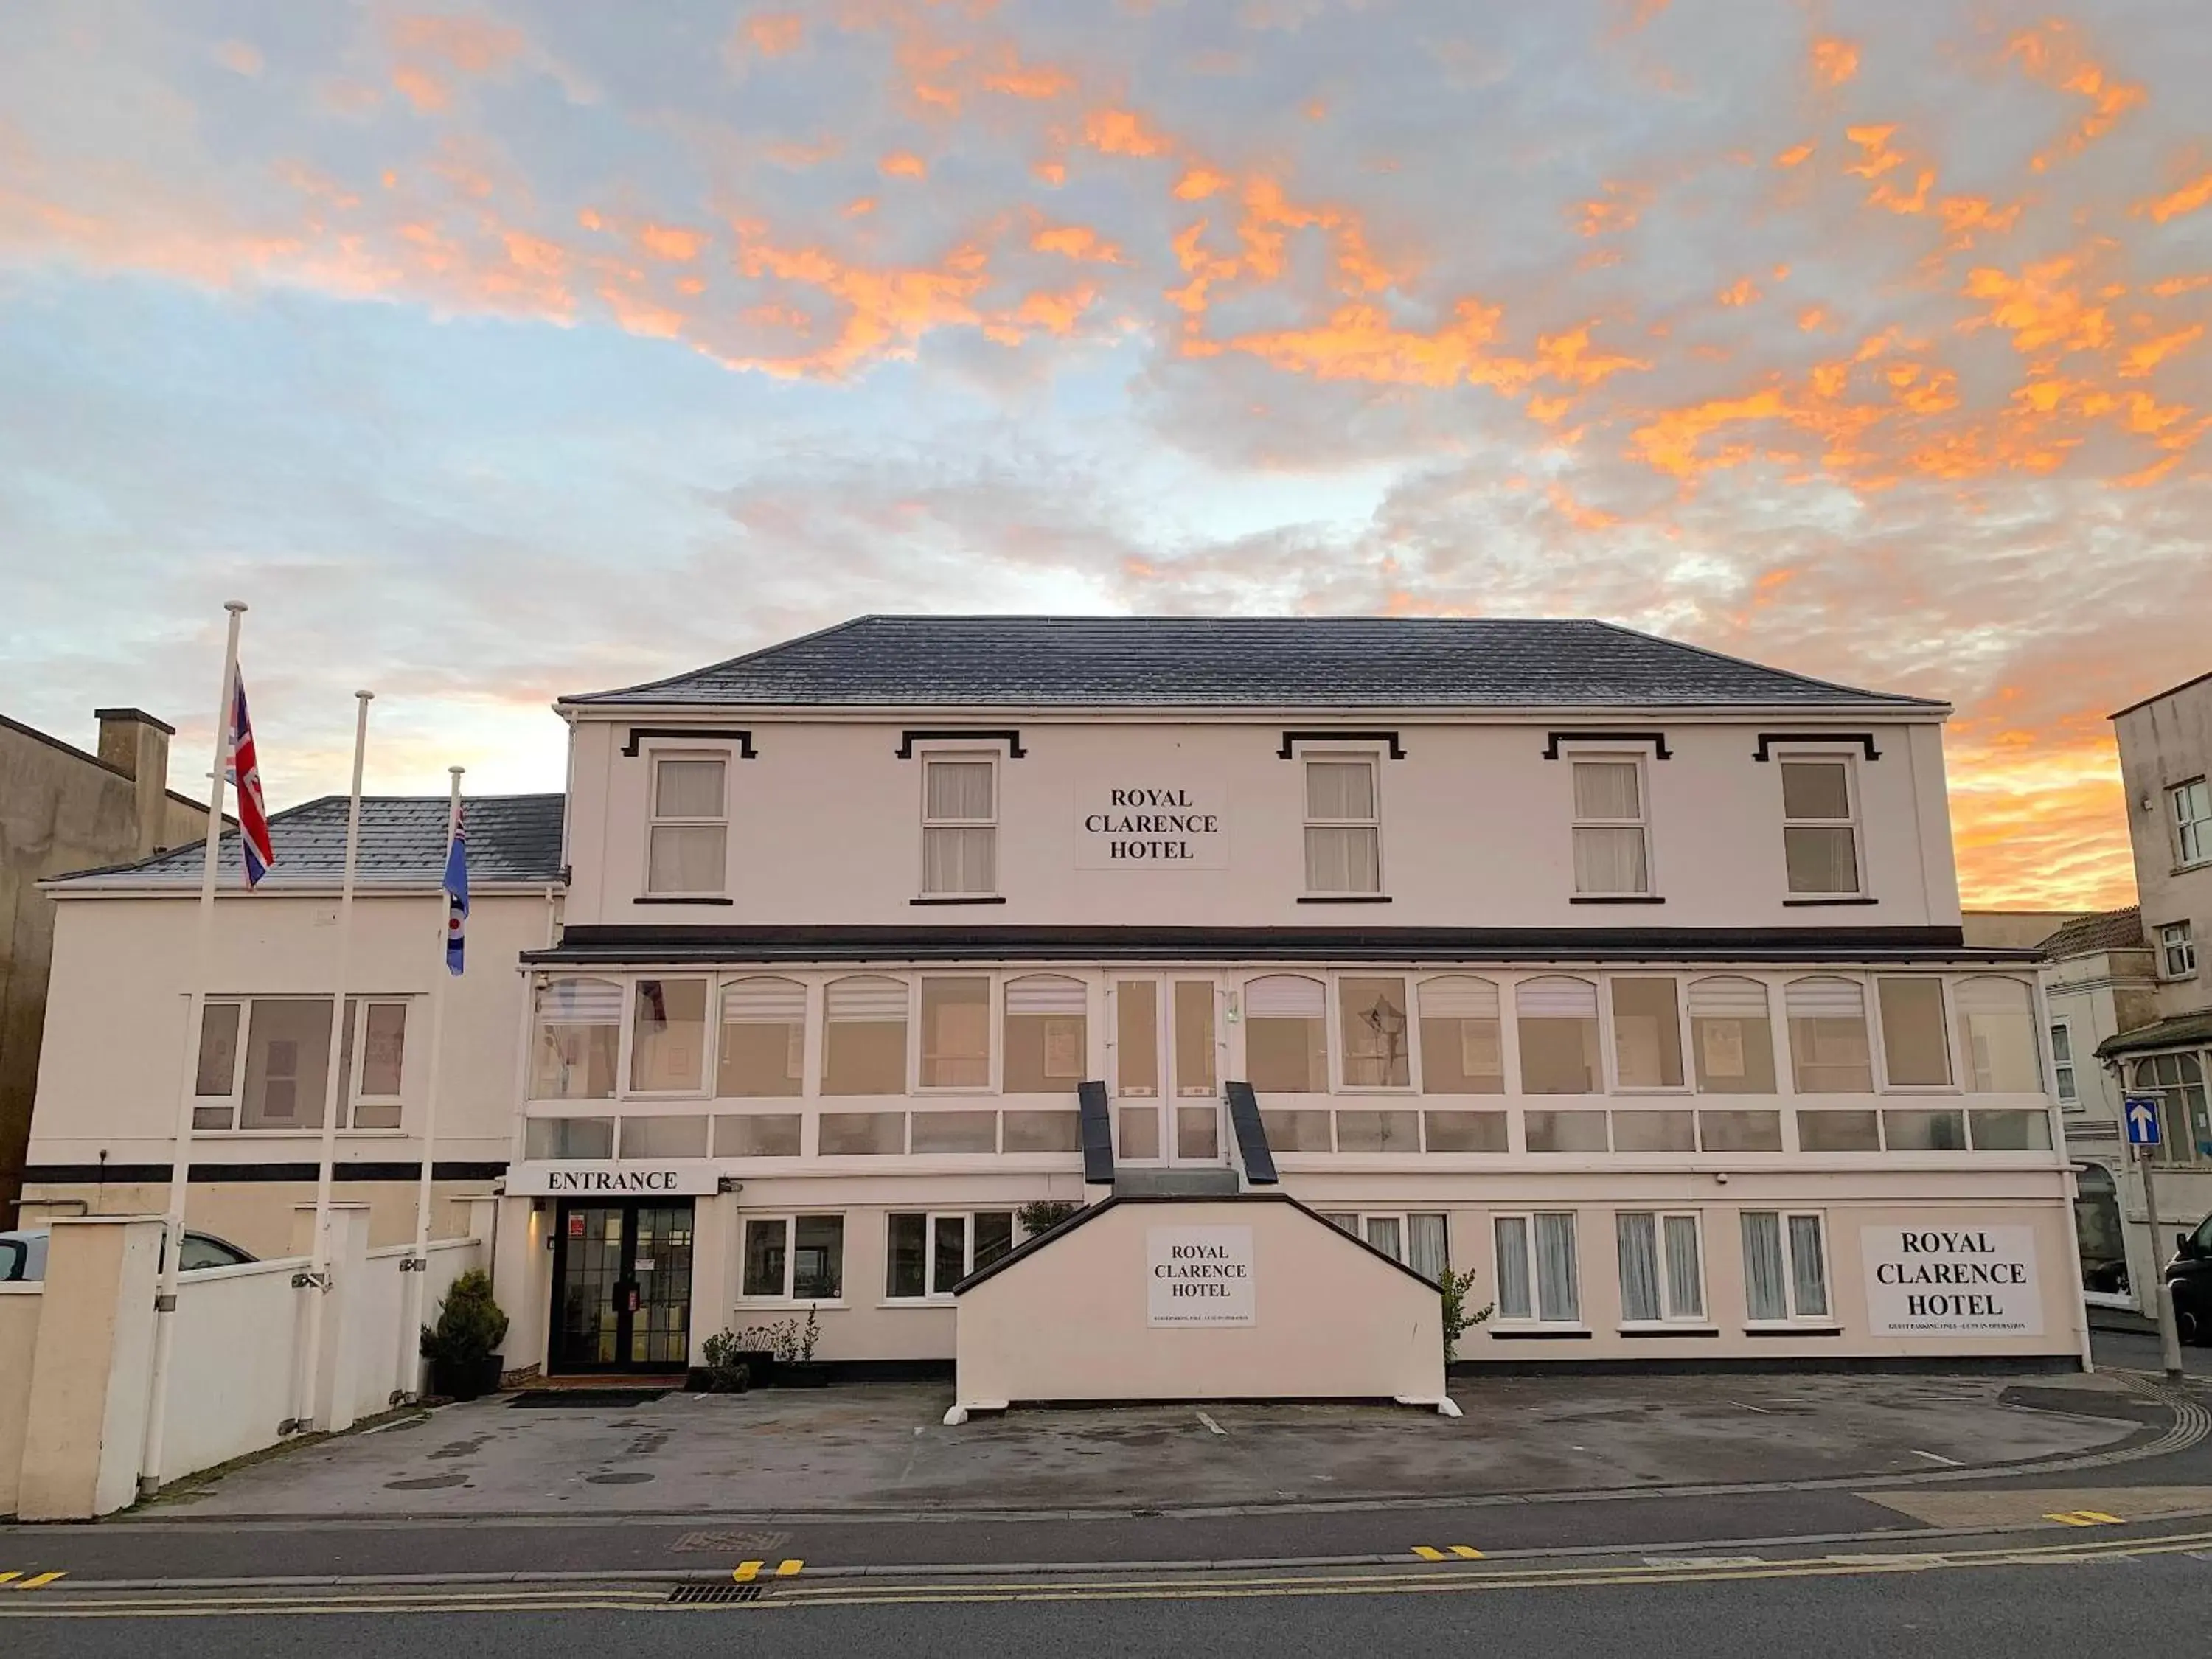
(622, 1286)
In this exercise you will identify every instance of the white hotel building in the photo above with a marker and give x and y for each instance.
(1627, 975)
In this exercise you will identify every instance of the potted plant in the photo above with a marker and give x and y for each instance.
(726, 1370)
(463, 1346)
(794, 1353)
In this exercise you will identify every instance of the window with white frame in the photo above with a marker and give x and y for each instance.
(1612, 855)
(1419, 1238)
(928, 1253)
(578, 1040)
(1557, 1017)
(2062, 1060)
(1997, 1035)
(1344, 850)
(1647, 1032)
(1287, 1035)
(959, 826)
(1375, 1031)
(956, 1031)
(687, 846)
(1537, 1280)
(1462, 1052)
(668, 1037)
(372, 1053)
(1731, 1036)
(794, 1258)
(864, 1036)
(1662, 1269)
(264, 1063)
(2177, 1081)
(1785, 1266)
(763, 1046)
(1819, 827)
(1046, 1028)
(2177, 949)
(1829, 1049)
(1916, 1054)
(2192, 821)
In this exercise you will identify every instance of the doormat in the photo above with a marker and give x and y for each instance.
(553, 1400)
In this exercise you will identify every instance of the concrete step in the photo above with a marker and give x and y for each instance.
(1176, 1183)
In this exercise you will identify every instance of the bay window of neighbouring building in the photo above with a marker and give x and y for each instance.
(1048, 1043)
(1661, 1271)
(956, 1031)
(1786, 1268)
(1996, 1036)
(864, 1036)
(927, 1254)
(959, 826)
(1537, 1280)
(1556, 1021)
(1647, 1033)
(668, 1037)
(794, 1258)
(1915, 1051)
(2192, 821)
(578, 1040)
(1343, 835)
(687, 845)
(1820, 829)
(1461, 1050)
(1419, 1239)
(2176, 1082)
(1375, 1033)
(763, 1052)
(1611, 858)
(1287, 1035)
(1731, 1036)
(1829, 1052)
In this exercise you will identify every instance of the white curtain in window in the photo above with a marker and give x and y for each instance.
(1555, 998)
(1458, 997)
(763, 1001)
(1764, 1272)
(1607, 789)
(960, 860)
(1339, 789)
(1686, 1296)
(958, 791)
(1284, 996)
(866, 998)
(1342, 858)
(1610, 859)
(1639, 1265)
(1808, 1268)
(1825, 998)
(1046, 993)
(1722, 996)
(1512, 1233)
(687, 858)
(1427, 1249)
(1384, 1233)
(580, 1002)
(688, 789)
(1558, 1295)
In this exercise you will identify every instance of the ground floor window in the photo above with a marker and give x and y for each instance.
(1536, 1276)
(794, 1258)
(1785, 1266)
(927, 1254)
(1662, 1269)
(1418, 1238)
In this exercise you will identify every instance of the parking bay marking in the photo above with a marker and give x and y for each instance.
(745, 1571)
(1465, 1552)
(36, 1581)
(2084, 1518)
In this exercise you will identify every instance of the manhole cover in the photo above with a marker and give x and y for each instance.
(715, 1592)
(427, 1483)
(618, 1479)
(733, 1543)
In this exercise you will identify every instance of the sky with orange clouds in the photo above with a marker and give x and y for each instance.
(496, 353)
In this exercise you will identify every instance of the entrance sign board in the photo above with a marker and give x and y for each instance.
(1950, 1280)
(1199, 1275)
(1143, 823)
(611, 1180)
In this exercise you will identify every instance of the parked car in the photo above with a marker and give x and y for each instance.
(23, 1254)
(2189, 1275)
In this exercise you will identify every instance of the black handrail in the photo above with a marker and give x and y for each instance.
(1098, 1126)
(1251, 1135)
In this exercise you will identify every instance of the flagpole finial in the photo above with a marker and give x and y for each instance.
(366, 696)
(236, 607)
(457, 770)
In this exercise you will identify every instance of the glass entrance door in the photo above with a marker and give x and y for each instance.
(1167, 1087)
(621, 1287)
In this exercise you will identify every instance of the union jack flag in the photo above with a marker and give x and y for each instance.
(245, 778)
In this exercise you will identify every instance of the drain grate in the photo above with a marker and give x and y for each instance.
(691, 1593)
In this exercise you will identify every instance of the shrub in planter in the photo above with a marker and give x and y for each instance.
(753, 1347)
(463, 1346)
(794, 1346)
(726, 1371)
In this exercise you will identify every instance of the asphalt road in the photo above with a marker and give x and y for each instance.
(2127, 1351)
(2146, 1606)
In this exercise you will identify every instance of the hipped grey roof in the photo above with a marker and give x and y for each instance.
(2085, 936)
(2192, 1030)
(512, 839)
(1375, 662)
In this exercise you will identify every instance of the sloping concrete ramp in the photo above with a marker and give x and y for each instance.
(1152, 1299)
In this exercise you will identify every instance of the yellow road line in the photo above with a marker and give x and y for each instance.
(1428, 1554)
(745, 1571)
(1465, 1553)
(2084, 1518)
(6, 1576)
(42, 1580)
(789, 1569)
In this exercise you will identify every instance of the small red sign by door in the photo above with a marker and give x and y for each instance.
(575, 1226)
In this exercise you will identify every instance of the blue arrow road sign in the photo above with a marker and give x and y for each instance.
(2141, 1112)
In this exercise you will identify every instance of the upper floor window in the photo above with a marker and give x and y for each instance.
(1996, 1036)
(1819, 829)
(959, 825)
(1916, 1055)
(668, 1037)
(1287, 1034)
(1611, 856)
(1731, 1036)
(372, 1050)
(1558, 1027)
(956, 1031)
(1377, 1054)
(1829, 1052)
(1647, 1034)
(2192, 820)
(688, 843)
(1047, 1034)
(864, 1036)
(578, 1040)
(1462, 1051)
(2177, 949)
(1344, 853)
(264, 1063)
(763, 1046)
(2062, 1056)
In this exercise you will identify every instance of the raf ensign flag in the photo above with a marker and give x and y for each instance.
(457, 895)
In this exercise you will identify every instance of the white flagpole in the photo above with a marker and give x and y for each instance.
(319, 1268)
(411, 1359)
(180, 1149)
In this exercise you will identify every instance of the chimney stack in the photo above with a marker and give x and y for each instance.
(137, 745)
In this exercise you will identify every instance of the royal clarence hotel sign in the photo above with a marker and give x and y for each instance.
(1147, 826)
(1952, 1281)
(1199, 1275)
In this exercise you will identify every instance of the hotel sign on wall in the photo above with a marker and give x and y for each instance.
(1199, 1275)
(1951, 1280)
(1151, 825)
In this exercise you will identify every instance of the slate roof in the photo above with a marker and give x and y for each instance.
(2085, 936)
(2175, 1032)
(1240, 662)
(512, 838)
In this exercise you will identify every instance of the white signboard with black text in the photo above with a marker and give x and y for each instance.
(1952, 1281)
(611, 1181)
(1200, 1275)
(1151, 823)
